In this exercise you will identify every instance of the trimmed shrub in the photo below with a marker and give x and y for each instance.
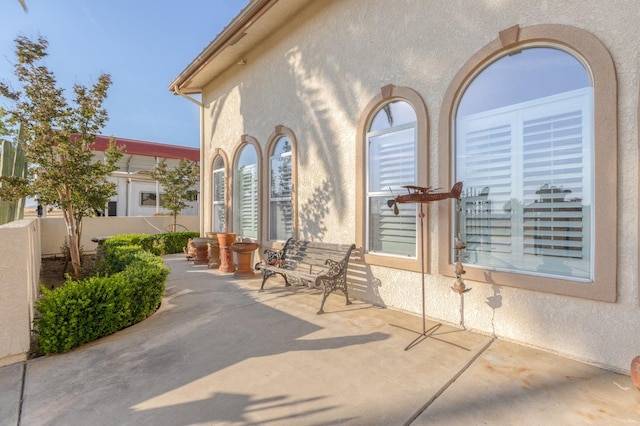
(85, 310)
(149, 243)
(173, 242)
(159, 244)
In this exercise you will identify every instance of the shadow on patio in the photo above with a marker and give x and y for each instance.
(219, 352)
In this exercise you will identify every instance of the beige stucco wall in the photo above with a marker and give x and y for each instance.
(20, 272)
(53, 229)
(318, 72)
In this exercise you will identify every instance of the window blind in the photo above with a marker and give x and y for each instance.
(218, 201)
(248, 202)
(280, 209)
(392, 164)
(526, 169)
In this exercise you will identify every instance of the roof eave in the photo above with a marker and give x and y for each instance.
(229, 36)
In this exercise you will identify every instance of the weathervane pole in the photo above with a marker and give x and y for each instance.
(425, 333)
(422, 195)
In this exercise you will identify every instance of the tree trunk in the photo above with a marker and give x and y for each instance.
(73, 241)
(74, 252)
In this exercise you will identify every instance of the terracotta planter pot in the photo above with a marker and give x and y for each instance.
(635, 372)
(225, 239)
(202, 253)
(214, 250)
(243, 254)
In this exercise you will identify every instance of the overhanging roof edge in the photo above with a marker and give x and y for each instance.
(229, 34)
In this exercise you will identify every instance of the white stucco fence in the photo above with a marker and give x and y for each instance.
(53, 229)
(20, 275)
(23, 243)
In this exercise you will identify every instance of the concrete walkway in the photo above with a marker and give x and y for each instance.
(220, 353)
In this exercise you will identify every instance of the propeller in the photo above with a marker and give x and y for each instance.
(392, 203)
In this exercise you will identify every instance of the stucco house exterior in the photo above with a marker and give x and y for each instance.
(315, 113)
(138, 194)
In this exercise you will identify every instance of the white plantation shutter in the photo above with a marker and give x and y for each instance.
(553, 180)
(392, 164)
(528, 185)
(218, 210)
(248, 201)
(280, 192)
(486, 164)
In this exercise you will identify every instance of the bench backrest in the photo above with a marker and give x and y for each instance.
(310, 257)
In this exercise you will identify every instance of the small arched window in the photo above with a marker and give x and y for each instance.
(218, 210)
(246, 193)
(280, 191)
(391, 142)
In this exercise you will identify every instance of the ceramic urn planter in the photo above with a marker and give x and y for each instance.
(214, 250)
(635, 372)
(225, 239)
(202, 251)
(243, 251)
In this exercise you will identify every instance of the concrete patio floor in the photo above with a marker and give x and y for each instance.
(217, 352)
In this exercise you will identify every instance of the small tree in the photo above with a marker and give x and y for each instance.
(177, 185)
(58, 140)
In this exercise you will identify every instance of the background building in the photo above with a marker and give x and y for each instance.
(138, 193)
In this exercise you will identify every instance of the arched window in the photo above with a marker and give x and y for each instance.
(218, 210)
(391, 151)
(246, 193)
(280, 190)
(392, 156)
(532, 134)
(524, 145)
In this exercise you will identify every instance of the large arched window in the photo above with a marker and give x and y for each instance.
(218, 208)
(280, 190)
(391, 152)
(524, 144)
(392, 156)
(531, 132)
(245, 206)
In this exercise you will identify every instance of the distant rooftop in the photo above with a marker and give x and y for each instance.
(151, 149)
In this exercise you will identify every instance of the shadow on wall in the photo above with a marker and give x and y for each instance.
(363, 285)
(314, 211)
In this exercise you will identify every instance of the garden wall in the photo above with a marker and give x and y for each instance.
(20, 271)
(53, 229)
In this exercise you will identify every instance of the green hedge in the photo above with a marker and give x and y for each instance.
(167, 243)
(173, 242)
(85, 310)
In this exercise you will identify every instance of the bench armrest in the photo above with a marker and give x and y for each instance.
(335, 268)
(271, 257)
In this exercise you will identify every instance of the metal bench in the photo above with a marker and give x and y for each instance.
(318, 264)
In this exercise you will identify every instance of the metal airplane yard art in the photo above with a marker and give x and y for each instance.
(418, 194)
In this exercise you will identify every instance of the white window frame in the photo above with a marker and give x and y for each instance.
(407, 210)
(218, 205)
(246, 199)
(272, 199)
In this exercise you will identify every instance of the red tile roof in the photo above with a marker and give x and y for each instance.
(151, 149)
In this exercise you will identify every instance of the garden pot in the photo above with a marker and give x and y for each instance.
(225, 239)
(243, 254)
(214, 250)
(202, 253)
(635, 372)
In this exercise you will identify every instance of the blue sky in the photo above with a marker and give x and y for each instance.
(143, 44)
